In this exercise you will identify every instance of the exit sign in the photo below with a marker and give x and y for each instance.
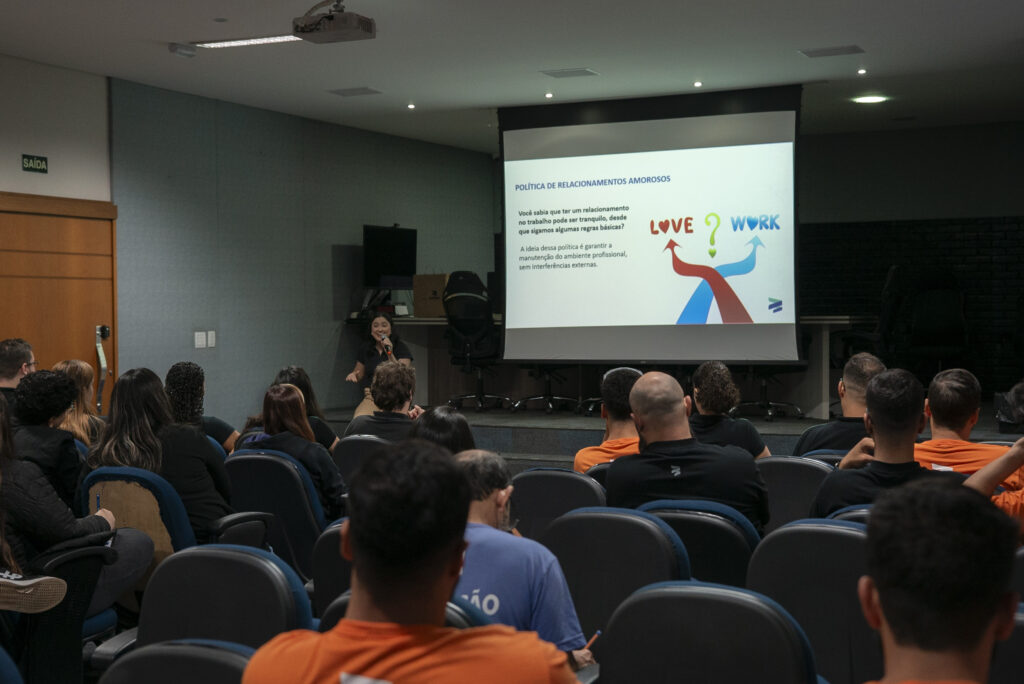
(33, 163)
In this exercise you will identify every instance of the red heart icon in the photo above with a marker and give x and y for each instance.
(663, 225)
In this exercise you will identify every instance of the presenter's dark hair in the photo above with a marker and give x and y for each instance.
(941, 556)
(858, 371)
(139, 409)
(285, 410)
(445, 426)
(392, 385)
(718, 393)
(43, 395)
(14, 353)
(407, 509)
(953, 397)
(895, 401)
(184, 387)
(296, 375)
(615, 388)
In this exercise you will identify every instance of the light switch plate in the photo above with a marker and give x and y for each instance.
(211, 338)
(200, 339)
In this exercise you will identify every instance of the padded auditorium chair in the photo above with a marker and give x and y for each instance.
(857, 513)
(217, 591)
(707, 633)
(1006, 661)
(1017, 581)
(9, 673)
(719, 539)
(350, 452)
(332, 573)
(829, 456)
(811, 567)
(793, 482)
(274, 482)
(607, 553)
(218, 445)
(540, 495)
(458, 613)
(474, 342)
(599, 472)
(197, 661)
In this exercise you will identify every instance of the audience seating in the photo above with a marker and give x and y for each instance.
(811, 567)
(542, 494)
(217, 591)
(1018, 572)
(220, 447)
(719, 539)
(9, 673)
(858, 513)
(197, 661)
(599, 472)
(707, 633)
(331, 571)
(793, 483)
(351, 451)
(607, 553)
(83, 449)
(457, 613)
(1006, 667)
(829, 456)
(274, 482)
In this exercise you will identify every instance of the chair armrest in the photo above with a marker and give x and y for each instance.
(589, 674)
(113, 648)
(310, 589)
(248, 528)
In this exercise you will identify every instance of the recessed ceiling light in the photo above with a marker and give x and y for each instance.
(697, 84)
(412, 106)
(870, 99)
(862, 71)
(549, 95)
(263, 40)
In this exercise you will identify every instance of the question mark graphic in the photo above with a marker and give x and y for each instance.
(707, 222)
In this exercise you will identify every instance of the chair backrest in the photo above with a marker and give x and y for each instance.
(542, 494)
(812, 567)
(467, 306)
(332, 573)
(719, 539)
(199, 661)
(829, 456)
(607, 553)
(1017, 581)
(9, 673)
(708, 633)
(220, 447)
(220, 591)
(858, 513)
(1006, 661)
(599, 472)
(83, 450)
(274, 482)
(350, 452)
(793, 482)
(457, 613)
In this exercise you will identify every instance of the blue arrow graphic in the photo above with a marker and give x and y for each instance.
(697, 309)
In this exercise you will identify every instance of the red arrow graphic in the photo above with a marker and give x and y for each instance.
(729, 305)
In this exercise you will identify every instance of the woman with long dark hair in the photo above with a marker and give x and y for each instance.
(445, 426)
(714, 395)
(142, 434)
(322, 432)
(185, 385)
(382, 345)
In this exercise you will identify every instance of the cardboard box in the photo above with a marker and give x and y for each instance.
(427, 293)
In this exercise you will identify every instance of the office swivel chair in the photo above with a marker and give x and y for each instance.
(474, 342)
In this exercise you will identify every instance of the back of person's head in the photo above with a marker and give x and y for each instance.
(485, 471)
(445, 426)
(42, 396)
(954, 396)
(296, 375)
(407, 511)
(940, 556)
(895, 402)
(615, 388)
(139, 409)
(657, 396)
(713, 382)
(14, 353)
(1016, 399)
(392, 385)
(284, 409)
(857, 373)
(83, 376)
(185, 385)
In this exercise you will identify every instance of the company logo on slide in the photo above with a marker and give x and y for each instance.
(759, 222)
(774, 305)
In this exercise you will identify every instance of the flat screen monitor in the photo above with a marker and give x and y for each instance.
(389, 257)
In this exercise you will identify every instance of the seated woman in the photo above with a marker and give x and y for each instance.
(392, 389)
(185, 385)
(445, 426)
(381, 346)
(322, 432)
(714, 395)
(142, 434)
(42, 400)
(81, 420)
(283, 427)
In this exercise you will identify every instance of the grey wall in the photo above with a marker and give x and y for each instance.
(227, 218)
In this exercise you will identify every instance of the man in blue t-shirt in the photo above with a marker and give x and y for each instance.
(514, 581)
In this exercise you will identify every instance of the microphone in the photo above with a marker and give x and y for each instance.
(386, 343)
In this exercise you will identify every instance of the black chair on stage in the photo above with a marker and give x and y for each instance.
(474, 342)
(351, 451)
(763, 404)
(550, 399)
(540, 495)
(793, 482)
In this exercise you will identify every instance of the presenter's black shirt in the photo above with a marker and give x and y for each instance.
(723, 431)
(842, 433)
(371, 358)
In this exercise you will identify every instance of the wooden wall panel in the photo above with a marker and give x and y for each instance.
(46, 265)
(32, 233)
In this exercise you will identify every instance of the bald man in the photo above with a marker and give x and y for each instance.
(673, 465)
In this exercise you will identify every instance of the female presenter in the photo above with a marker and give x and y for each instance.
(382, 346)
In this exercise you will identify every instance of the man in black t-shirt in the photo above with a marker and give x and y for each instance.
(848, 429)
(392, 389)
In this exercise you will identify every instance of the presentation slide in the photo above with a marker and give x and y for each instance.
(652, 240)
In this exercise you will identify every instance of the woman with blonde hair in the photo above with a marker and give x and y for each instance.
(81, 420)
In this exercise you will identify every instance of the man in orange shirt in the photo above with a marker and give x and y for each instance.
(939, 558)
(952, 407)
(404, 536)
(620, 438)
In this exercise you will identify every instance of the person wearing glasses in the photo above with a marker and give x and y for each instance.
(620, 437)
(16, 361)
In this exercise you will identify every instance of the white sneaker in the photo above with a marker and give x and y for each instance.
(30, 594)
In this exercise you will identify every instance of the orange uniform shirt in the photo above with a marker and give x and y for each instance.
(610, 450)
(387, 653)
(963, 457)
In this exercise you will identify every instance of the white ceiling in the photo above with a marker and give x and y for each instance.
(943, 62)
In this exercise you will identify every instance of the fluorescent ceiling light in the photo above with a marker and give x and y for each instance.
(870, 99)
(265, 40)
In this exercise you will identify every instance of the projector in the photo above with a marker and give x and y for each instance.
(334, 27)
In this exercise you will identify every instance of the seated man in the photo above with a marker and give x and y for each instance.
(513, 580)
(673, 465)
(988, 478)
(392, 389)
(620, 436)
(42, 399)
(404, 536)
(894, 417)
(848, 429)
(939, 560)
(952, 406)
(16, 362)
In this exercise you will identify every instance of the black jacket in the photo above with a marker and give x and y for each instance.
(54, 451)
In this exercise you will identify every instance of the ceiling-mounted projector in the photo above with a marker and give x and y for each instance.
(334, 26)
